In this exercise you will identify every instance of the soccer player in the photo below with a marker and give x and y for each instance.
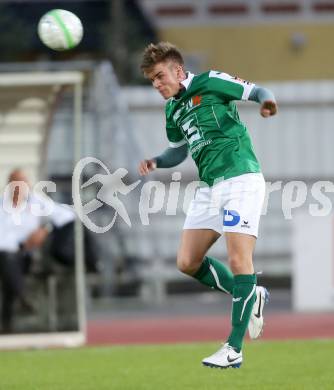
(201, 117)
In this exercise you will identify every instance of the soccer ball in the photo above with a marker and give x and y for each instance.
(60, 30)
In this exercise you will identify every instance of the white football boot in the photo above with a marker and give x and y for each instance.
(256, 323)
(225, 357)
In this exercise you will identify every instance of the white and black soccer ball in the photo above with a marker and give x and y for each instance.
(60, 30)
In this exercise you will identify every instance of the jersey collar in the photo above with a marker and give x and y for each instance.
(186, 83)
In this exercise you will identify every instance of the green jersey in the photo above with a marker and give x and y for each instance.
(205, 117)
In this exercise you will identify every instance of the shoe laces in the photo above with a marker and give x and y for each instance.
(224, 350)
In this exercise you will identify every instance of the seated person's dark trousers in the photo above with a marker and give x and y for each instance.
(12, 283)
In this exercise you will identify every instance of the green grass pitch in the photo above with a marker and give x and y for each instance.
(267, 365)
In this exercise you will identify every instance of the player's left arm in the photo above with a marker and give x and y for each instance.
(266, 98)
(234, 88)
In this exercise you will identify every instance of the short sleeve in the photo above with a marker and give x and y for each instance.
(231, 87)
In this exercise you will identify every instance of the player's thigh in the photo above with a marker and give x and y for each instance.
(193, 247)
(240, 248)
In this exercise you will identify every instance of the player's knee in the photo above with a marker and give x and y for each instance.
(187, 265)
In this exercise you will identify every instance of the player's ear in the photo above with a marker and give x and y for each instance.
(180, 72)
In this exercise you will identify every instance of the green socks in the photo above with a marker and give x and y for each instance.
(243, 301)
(215, 274)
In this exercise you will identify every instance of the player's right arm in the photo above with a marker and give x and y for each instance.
(147, 166)
(171, 157)
(175, 154)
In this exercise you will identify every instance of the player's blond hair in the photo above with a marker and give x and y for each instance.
(160, 52)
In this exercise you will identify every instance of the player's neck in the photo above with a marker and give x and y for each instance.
(181, 90)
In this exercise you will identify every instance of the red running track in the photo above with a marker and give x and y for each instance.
(208, 328)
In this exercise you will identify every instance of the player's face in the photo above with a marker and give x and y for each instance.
(166, 78)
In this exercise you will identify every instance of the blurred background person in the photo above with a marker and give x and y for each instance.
(21, 232)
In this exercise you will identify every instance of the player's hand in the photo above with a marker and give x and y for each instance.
(147, 166)
(268, 108)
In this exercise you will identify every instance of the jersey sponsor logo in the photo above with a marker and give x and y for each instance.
(231, 218)
(241, 80)
(201, 145)
(191, 131)
(227, 77)
(196, 100)
(177, 114)
(187, 107)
